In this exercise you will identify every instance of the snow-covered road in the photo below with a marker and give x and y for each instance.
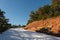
(21, 34)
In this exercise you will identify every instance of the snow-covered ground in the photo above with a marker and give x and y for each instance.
(21, 34)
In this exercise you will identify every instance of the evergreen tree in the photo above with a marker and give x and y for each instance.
(3, 22)
(45, 12)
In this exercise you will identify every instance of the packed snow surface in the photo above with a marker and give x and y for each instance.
(21, 34)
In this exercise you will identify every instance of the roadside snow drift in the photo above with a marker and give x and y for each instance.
(21, 34)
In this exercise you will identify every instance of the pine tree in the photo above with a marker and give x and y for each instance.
(47, 11)
(3, 21)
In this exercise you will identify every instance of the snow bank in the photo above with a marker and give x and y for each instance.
(21, 34)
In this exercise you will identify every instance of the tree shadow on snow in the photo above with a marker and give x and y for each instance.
(25, 35)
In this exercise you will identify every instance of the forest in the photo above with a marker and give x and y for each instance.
(45, 12)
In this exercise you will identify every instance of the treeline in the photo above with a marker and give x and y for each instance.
(18, 26)
(45, 12)
(4, 25)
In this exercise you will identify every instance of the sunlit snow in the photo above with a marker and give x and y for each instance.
(21, 34)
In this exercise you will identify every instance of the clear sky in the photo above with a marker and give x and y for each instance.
(18, 11)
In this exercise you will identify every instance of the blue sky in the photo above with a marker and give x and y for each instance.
(18, 11)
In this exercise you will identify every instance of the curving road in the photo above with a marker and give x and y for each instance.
(21, 34)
